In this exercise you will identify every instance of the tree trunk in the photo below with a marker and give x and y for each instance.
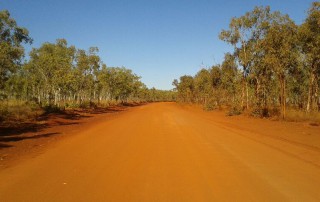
(242, 93)
(316, 95)
(39, 97)
(310, 93)
(55, 97)
(247, 95)
(282, 96)
(284, 99)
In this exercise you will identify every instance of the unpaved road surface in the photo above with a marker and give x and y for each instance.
(165, 152)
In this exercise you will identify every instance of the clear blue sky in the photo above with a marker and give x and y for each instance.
(159, 40)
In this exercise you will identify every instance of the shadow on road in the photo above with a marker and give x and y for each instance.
(15, 131)
(4, 145)
(18, 138)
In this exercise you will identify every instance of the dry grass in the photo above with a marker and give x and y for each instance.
(18, 111)
(298, 116)
(92, 104)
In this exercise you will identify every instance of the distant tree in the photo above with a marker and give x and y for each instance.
(215, 77)
(203, 87)
(120, 82)
(185, 88)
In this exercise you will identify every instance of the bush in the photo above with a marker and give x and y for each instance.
(296, 116)
(260, 112)
(275, 111)
(104, 103)
(72, 105)
(4, 113)
(14, 110)
(52, 109)
(88, 105)
(210, 105)
(234, 111)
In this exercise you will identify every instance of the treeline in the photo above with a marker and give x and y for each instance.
(57, 75)
(275, 65)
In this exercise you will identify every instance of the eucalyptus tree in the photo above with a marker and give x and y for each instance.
(244, 33)
(298, 84)
(309, 35)
(11, 50)
(203, 87)
(230, 79)
(281, 51)
(215, 82)
(142, 93)
(103, 83)
(240, 36)
(48, 69)
(185, 88)
(156, 95)
(16, 87)
(120, 83)
(86, 70)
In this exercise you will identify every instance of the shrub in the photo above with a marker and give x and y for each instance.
(19, 111)
(275, 111)
(210, 105)
(52, 109)
(234, 111)
(296, 116)
(88, 105)
(260, 112)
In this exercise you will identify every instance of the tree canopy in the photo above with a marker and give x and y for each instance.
(59, 75)
(11, 50)
(274, 64)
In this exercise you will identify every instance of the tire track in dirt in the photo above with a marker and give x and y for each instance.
(162, 152)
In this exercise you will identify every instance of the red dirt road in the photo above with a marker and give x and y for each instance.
(165, 152)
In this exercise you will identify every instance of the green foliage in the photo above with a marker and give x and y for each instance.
(185, 88)
(49, 70)
(243, 34)
(59, 76)
(234, 111)
(309, 36)
(87, 105)
(120, 82)
(275, 64)
(11, 50)
(210, 105)
(202, 81)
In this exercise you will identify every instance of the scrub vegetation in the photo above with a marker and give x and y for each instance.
(273, 70)
(58, 76)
